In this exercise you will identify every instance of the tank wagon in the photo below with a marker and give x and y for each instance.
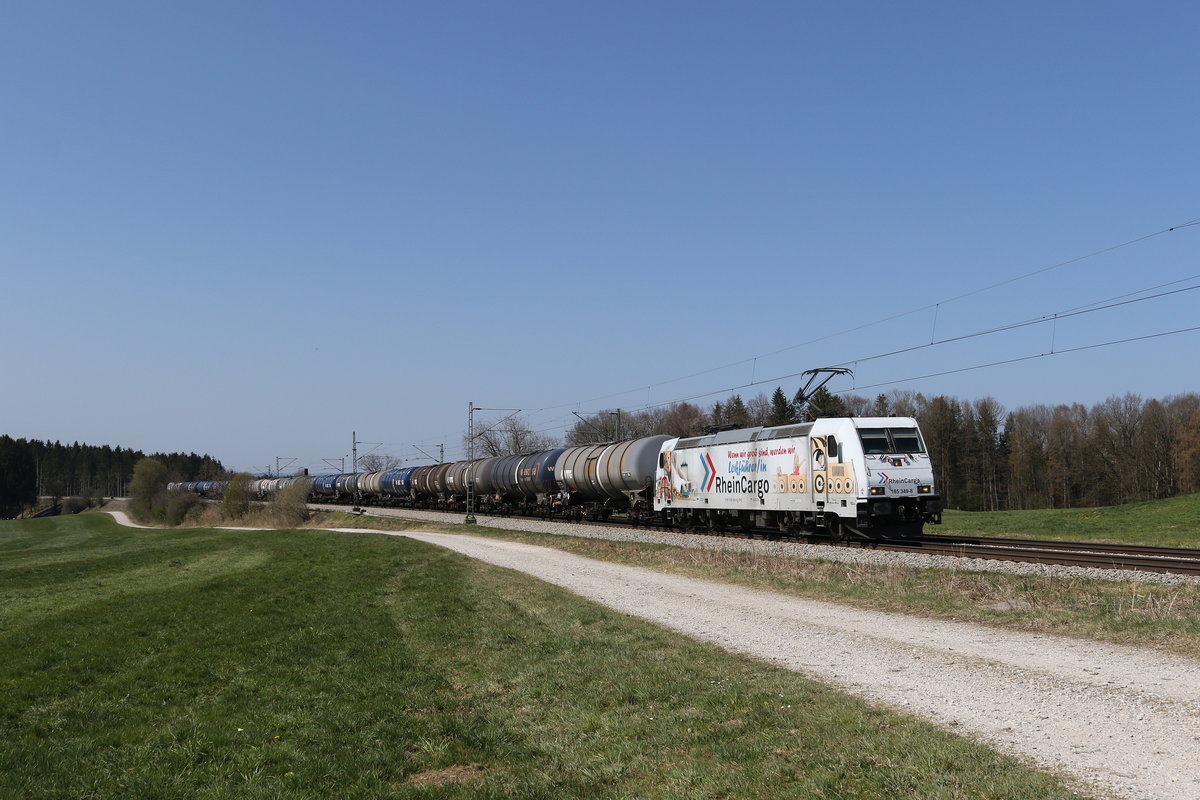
(861, 476)
(592, 481)
(202, 488)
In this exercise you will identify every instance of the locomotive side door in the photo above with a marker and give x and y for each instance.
(839, 479)
(819, 461)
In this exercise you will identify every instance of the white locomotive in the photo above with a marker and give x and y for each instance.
(867, 476)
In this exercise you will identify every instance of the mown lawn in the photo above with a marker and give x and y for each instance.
(1170, 523)
(296, 664)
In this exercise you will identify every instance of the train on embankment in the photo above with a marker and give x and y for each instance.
(859, 476)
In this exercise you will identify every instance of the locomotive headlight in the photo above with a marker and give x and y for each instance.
(924, 490)
(877, 491)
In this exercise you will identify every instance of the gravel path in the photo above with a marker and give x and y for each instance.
(123, 519)
(1120, 720)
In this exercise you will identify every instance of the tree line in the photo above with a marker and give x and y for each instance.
(30, 468)
(985, 457)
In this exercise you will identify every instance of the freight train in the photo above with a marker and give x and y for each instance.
(841, 476)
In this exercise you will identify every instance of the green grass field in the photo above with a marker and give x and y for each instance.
(1170, 523)
(295, 664)
(1158, 616)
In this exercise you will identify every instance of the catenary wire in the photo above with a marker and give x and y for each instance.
(901, 315)
(935, 305)
(1109, 303)
(1099, 305)
(1002, 362)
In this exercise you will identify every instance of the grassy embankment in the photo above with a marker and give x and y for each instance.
(1169, 523)
(221, 664)
(1164, 617)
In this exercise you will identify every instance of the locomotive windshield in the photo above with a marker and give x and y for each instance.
(891, 440)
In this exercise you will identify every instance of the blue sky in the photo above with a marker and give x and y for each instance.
(249, 229)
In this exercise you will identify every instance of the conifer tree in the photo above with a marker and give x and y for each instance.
(18, 477)
(782, 411)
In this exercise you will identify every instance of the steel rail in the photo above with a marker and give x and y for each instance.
(1050, 552)
(1070, 546)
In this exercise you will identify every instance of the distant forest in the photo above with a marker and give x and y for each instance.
(31, 468)
(1122, 450)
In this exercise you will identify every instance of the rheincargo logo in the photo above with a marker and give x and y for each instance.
(885, 478)
(742, 485)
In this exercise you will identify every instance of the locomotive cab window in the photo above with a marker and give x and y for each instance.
(891, 440)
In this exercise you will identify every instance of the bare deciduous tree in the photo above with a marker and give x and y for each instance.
(603, 425)
(758, 409)
(377, 462)
(508, 436)
(684, 419)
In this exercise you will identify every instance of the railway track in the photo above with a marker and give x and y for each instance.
(1143, 558)
(1081, 547)
(1095, 555)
